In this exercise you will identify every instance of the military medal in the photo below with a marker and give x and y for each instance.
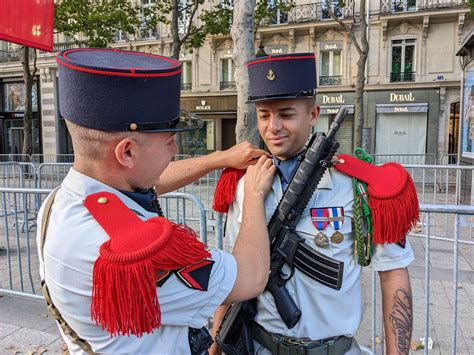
(337, 237)
(320, 219)
(336, 221)
(321, 240)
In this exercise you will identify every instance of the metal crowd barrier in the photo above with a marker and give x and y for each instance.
(50, 175)
(447, 313)
(418, 159)
(52, 158)
(19, 262)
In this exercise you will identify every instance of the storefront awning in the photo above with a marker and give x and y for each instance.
(332, 110)
(402, 108)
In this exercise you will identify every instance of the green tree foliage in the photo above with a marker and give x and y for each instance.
(181, 16)
(219, 20)
(97, 20)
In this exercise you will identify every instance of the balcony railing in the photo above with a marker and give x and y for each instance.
(186, 86)
(226, 85)
(403, 76)
(319, 11)
(330, 80)
(17, 55)
(397, 6)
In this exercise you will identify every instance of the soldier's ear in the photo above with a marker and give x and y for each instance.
(314, 113)
(125, 152)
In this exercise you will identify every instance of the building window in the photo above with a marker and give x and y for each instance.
(403, 5)
(330, 73)
(120, 36)
(335, 6)
(187, 76)
(403, 60)
(147, 5)
(227, 74)
(278, 16)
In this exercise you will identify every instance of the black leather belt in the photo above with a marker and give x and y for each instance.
(283, 345)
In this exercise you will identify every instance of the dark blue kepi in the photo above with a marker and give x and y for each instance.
(279, 77)
(117, 90)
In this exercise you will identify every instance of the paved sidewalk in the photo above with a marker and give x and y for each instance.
(27, 328)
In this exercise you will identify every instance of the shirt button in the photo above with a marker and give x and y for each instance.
(292, 293)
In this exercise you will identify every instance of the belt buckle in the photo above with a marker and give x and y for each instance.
(291, 341)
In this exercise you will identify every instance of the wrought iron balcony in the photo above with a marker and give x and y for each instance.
(186, 86)
(319, 11)
(403, 76)
(330, 80)
(397, 6)
(226, 85)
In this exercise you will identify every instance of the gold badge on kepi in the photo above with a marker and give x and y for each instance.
(270, 75)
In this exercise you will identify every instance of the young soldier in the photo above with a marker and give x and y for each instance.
(122, 278)
(283, 89)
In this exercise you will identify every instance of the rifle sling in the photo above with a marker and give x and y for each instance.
(67, 330)
(319, 267)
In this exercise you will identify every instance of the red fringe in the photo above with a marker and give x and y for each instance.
(124, 294)
(226, 189)
(393, 217)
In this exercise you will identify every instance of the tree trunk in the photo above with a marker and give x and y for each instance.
(361, 76)
(176, 45)
(242, 33)
(28, 117)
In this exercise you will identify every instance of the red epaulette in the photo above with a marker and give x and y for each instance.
(226, 189)
(392, 197)
(124, 296)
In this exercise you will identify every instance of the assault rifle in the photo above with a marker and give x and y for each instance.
(286, 247)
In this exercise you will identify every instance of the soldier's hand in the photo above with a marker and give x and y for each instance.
(259, 177)
(214, 349)
(241, 155)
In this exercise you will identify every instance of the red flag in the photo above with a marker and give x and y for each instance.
(27, 22)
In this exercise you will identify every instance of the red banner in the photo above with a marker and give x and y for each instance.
(27, 22)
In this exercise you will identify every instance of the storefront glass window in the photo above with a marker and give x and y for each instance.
(468, 115)
(198, 142)
(401, 137)
(14, 135)
(14, 94)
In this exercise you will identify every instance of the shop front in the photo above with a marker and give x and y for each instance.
(404, 124)
(329, 104)
(219, 115)
(12, 111)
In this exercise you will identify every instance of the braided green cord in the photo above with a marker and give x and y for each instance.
(361, 211)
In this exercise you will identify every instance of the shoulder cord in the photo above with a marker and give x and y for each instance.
(362, 216)
(84, 345)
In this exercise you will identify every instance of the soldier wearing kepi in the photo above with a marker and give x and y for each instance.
(357, 213)
(119, 277)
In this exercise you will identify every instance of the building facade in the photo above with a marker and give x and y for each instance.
(412, 94)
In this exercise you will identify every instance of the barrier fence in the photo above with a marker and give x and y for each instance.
(18, 212)
(19, 261)
(445, 225)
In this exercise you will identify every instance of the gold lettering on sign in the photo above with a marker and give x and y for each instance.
(330, 46)
(333, 99)
(332, 111)
(400, 109)
(401, 97)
